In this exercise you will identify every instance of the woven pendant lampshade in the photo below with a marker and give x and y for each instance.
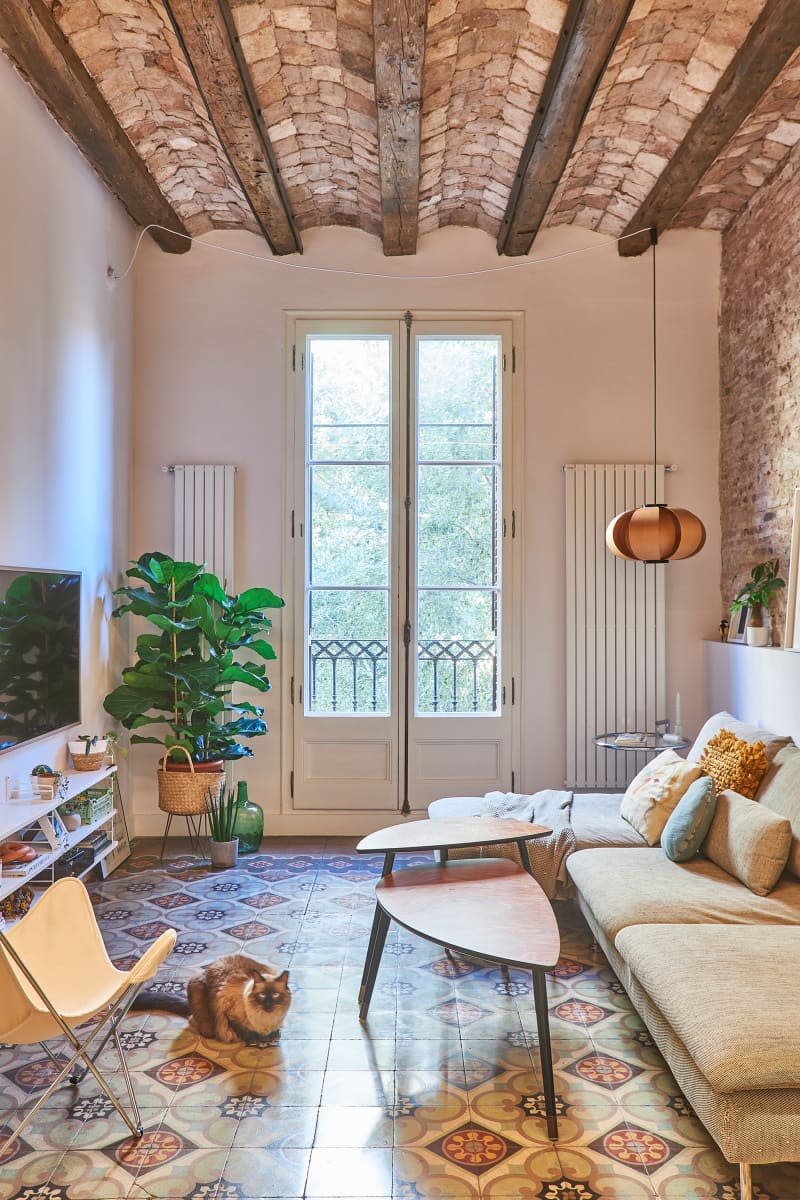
(655, 533)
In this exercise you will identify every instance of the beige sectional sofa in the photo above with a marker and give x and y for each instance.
(713, 971)
(712, 968)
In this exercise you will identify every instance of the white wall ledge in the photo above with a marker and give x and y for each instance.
(761, 685)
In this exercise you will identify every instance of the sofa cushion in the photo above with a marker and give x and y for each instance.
(646, 888)
(748, 841)
(780, 793)
(688, 823)
(750, 1041)
(773, 742)
(734, 763)
(655, 791)
(596, 822)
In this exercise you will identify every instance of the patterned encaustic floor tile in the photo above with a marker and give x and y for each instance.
(438, 1096)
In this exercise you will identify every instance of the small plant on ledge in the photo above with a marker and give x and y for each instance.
(756, 595)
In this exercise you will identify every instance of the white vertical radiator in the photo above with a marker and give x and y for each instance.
(615, 625)
(204, 528)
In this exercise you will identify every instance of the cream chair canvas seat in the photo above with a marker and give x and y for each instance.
(55, 976)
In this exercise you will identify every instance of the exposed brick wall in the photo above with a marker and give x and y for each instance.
(760, 367)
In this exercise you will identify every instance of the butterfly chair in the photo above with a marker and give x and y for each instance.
(55, 975)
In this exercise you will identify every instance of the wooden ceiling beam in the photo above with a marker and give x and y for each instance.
(773, 39)
(399, 30)
(210, 43)
(590, 32)
(35, 43)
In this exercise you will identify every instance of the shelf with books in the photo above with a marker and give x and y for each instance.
(39, 824)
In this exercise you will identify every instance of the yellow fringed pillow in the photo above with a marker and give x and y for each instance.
(734, 764)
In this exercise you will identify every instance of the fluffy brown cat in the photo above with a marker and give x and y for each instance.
(233, 999)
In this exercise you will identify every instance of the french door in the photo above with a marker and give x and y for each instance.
(401, 528)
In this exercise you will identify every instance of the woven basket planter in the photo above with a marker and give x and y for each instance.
(185, 794)
(87, 762)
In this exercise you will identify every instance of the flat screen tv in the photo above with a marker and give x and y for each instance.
(40, 620)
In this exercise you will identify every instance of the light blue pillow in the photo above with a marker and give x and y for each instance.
(689, 821)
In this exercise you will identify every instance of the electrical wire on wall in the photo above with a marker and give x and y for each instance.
(293, 266)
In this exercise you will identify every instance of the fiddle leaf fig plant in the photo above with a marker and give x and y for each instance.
(759, 589)
(205, 641)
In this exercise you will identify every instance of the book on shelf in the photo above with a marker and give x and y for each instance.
(14, 869)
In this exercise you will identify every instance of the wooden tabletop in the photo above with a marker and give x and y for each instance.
(449, 833)
(488, 907)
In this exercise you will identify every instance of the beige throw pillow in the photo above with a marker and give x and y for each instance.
(655, 792)
(748, 842)
(780, 793)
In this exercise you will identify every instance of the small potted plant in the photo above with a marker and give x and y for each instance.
(756, 595)
(88, 750)
(45, 776)
(221, 811)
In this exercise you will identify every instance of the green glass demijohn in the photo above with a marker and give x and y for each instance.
(249, 823)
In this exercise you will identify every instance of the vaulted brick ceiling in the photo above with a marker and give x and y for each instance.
(278, 117)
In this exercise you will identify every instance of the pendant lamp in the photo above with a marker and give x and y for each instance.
(655, 533)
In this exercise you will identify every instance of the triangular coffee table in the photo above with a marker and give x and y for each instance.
(487, 907)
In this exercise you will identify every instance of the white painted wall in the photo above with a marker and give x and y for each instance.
(65, 383)
(760, 685)
(209, 387)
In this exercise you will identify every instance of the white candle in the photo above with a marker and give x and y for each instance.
(678, 727)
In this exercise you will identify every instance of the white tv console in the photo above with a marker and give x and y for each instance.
(17, 816)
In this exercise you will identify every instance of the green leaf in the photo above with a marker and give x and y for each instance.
(255, 598)
(210, 586)
(237, 674)
(265, 649)
(167, 623)
(186, 572)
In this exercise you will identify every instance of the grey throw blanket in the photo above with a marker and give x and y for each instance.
(548, 854)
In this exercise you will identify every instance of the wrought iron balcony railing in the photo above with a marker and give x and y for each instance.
(350, 675)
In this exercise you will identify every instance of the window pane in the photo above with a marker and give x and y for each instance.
(348, 652)
(350, 388)
(457, 398)
(349, 512)
(457, 652)
(456, 526)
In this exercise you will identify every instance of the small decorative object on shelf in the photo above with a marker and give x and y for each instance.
(724, 625)
(17, 904)
(52, 784)
(88, 751)
(22, 791)
(249, 823)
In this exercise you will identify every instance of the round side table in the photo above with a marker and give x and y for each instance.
(647, 743)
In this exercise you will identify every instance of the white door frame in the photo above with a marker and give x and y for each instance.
(354, 822)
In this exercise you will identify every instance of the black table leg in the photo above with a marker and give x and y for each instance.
(381, 929)
(388, 863)
(545, 1052)
(523, 855)
(370, 947)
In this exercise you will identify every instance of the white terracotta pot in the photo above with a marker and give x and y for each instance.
(756, 635)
